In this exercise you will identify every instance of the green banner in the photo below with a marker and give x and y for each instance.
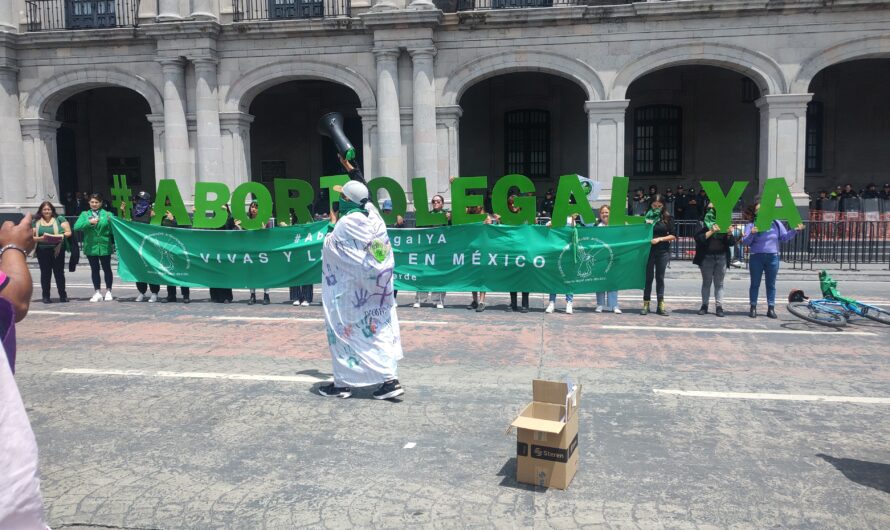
(533, 258)
(473, 257)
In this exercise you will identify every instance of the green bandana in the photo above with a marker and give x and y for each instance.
(710, 218)
(654, 215)
(347, 207)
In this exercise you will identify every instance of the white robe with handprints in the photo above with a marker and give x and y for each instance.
(359, 306)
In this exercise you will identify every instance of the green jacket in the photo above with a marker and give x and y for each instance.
(97, 240)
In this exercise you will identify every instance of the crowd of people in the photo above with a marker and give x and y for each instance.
(716, 250)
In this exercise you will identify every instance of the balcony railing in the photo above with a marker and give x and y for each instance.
(290, 9)
(49, 15)
(475, 5)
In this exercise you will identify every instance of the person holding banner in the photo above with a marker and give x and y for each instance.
(51, 233)
(95, 224)
(764, 258)
(359, 306)
(713, 251)
(551, 305)
(438, 206)
(660, 253)
(607, 300)
(143, 211)
(252, 212)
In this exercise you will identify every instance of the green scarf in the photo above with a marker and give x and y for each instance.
(710, 218)
(654, 215)
(347, 207)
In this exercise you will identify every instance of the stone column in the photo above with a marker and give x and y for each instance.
(448, 127)
(41, 160)
(236, 146)
(783, 137)
(209, 148)
(203, 10)
(157, 129)
(9, 16)
(12, 161)
(168, 10)
(176, 142)
(605, 142)
(369, 141)
(389, 141)
(424, 110)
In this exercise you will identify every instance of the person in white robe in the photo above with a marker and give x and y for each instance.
(358, 299)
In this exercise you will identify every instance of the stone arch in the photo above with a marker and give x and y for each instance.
(522, 61)
(242, 92)
(864, 48)
(44, 101)
(760, 68)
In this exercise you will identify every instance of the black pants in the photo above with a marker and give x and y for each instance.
(105, 261)
(171, 292)
(655, 268)
(142, 286)
(302, 293)
(51, 265)
(220, 295)
(513, 300)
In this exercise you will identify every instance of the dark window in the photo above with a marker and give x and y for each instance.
(296, 9)
(90, 14)
(527, 143)
(814, 137)
(272, 169)
(657, 133)
(131, 166)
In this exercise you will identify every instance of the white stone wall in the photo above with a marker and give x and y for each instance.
(601, 49)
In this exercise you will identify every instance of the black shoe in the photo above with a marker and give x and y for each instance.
(169, 300)
(47, 300)
(480, 307)
(511, 308)
(473, 305)
(719, 311)
(771, 312)
(704, 310)
(185, 300)
(524, 309)
(389, 390)
(63, 297)
(227, 301)
(252, 300)
(266, 300)
(753, 312)
(330, 390)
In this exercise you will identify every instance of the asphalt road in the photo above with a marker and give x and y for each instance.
(204, 416)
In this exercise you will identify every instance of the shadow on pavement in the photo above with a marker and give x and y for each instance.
(871, 474)
(508, 471)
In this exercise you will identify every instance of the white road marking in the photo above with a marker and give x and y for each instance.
(775, 397)
(42, 312)
(410, 445)
(195, 375)
(298, 319)
(739, 330)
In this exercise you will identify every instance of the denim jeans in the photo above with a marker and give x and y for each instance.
(611, 297)
(569, 298)
(758, 264)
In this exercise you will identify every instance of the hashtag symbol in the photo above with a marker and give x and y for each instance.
(121, 193)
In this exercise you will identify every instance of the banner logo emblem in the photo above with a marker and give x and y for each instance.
(168, 251)
(594, 260)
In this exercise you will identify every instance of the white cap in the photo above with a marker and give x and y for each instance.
(355, 191)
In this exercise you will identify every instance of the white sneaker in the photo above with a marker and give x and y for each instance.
(153, 298)
(305, 303)
(440, 306)
(140, 298)
(569, 308)
(296, 303)
(96, 297)
(599, 309)
(415, 304)
(550, 308)
(616, 311)
(108, 296)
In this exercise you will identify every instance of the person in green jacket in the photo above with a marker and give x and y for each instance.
(95, 224)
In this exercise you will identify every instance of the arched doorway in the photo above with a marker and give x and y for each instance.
(529, 123)
(284, 140)
(689, 123)
(848, 126)
(104, 132)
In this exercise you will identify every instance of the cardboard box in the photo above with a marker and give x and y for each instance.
(547, 435)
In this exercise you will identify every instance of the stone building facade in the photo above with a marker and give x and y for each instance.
(231, 90)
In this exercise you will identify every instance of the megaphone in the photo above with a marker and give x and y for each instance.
(331, 125)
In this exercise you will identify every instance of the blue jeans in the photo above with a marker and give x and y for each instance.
(611, 296)
(758, 264)
(569, 298)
